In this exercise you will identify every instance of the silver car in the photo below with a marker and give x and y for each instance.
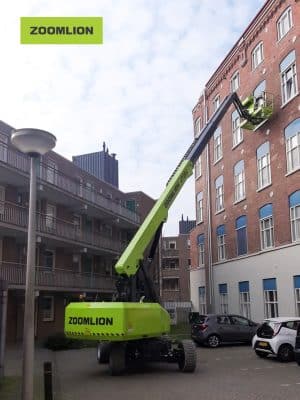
(214, 329)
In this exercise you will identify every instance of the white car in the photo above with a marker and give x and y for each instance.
(276, 336)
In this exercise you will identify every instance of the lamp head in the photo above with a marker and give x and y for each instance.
(34, 142)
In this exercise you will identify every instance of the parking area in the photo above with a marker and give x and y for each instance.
(228, 372)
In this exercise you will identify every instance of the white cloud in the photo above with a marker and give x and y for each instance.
(135, 92)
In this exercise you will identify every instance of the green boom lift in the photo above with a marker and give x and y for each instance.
(134, 326)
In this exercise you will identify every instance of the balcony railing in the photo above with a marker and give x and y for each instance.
(14, 275)
(13, 214)
(70, 185)
(170, 253)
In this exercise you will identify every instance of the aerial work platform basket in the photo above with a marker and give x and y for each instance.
(260, 109)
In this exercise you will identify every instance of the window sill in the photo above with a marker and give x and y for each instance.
(197, 177)
(199, 222)
(220, 211)
(292, 172)
(287, 102)
(236, 145)
(239, 201)
(263, 187)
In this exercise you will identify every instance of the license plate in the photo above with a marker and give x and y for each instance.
(263, 344)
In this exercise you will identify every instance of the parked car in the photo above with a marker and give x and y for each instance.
(297, 347)
(276, 336)
(214, 329)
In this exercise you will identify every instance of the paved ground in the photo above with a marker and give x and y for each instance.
(232, 372)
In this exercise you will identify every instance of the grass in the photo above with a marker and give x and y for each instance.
(10, 388)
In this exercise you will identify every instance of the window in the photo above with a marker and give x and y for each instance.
(266, 226)
(244, 299)
(292, 141)
(47, 308)
(202, 300)
(235, 82)
(241, 235)
(201, 250)
(51, 172)
(284, 23)
(270, 298)
(198, 126)
(263, 165)
(216, 102)
(50, 218)
(172, 245)
(239, 181)
(237, 132)
(259, 90)
(199, 207)
(294, 202)
(198, 168)
(170, 263)
(288, 73)
(219, 193)
(221, 242)
(297, 294)
(171, 284)
(218, 145)
(223, 293)
(257, 55)
(49, 259)
(131, 205)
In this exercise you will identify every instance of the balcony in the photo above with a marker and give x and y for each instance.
(169, 253)
(15, 217)
(70, 186)
(45, 278)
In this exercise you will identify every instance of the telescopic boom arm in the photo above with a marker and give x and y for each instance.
(252, 112)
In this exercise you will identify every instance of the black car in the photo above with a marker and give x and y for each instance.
(214, 329)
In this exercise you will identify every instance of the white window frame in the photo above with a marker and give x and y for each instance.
(257, 55)
(289, 85)
(223, 303)
(263, 171)
(198, 168)
(237, 132)
(201, 254)
(49, 317)
(295, 222)
(293, 152)
(239, 186)
(218, 151)
(220, 197)
(199, 209)
(284, 23)
(202, 303)
(297, 301)
(216, 102)
(271, 303)
(198, 126)
(235, 82)
(266, 232)
(245, 305)
(221, 247)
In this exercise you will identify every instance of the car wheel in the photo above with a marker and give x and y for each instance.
(285, 353)
(261, 354)
(213, 341)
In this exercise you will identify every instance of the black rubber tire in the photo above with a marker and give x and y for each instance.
(117, 359)
(103, 351)
(213, 341)
(285, 353)
(187, 356)
(261, 354)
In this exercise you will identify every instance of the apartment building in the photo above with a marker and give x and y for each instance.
(246, 244)
(175, 266)
(83, 224)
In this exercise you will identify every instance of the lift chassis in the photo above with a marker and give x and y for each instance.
(134, 327)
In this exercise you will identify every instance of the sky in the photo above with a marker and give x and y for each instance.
(136, 92)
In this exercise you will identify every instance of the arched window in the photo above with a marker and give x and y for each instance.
(218, 153)
(239, 181)
(288, 73)
(294, 203)
(292, 141)
(219, 185)
(263, 165)
(221, 242)
(266, 226)
(201, 249)
(199, 207)
(241, 235)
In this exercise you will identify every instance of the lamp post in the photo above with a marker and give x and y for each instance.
(35, 143)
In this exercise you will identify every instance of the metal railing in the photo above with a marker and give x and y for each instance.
(170, 253)
(70, 185)
(16, 215)
(14, 274)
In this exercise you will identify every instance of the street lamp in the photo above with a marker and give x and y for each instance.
(35, 143)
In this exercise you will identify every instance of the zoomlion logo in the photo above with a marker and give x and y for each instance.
(61, 30)
(91, 321)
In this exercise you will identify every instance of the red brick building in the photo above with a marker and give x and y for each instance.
(83, 224)
(245, 246)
